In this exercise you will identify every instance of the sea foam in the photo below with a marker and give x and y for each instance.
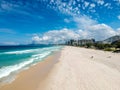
(21, 52)
(5, 71)
(37, 56)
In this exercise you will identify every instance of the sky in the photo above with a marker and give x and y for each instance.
(55, 21)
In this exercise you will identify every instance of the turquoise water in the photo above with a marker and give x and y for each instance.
(16, 58)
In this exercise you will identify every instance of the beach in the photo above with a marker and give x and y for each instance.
(72, 68)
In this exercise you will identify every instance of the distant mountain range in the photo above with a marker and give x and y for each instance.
(111, 39)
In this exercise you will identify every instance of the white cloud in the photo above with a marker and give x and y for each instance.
(92, 29)
(100, 2)
(86, 4)
(55, 36)
(69, 8)
(66, 20)
(92, 5)
(96, 31)
(101, 31)
(86, 27)
(118, 17)
(84, 21)
(108, 5)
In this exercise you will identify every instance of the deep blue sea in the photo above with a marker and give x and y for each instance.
(16, 58)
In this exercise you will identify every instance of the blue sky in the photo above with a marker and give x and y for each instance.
(54, 21)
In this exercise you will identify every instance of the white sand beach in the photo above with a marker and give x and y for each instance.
(72, 69)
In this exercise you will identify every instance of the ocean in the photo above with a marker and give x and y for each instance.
(14, 59)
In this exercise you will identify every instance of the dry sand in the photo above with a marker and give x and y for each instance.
(77, 69)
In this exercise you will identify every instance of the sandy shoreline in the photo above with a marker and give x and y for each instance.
(29, 79)
(72, 69)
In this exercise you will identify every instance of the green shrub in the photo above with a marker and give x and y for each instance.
(108, 49)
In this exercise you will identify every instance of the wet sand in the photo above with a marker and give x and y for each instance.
(30, 79)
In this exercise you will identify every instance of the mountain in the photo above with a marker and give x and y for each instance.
(111, 39)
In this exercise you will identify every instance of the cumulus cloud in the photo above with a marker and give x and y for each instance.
(96, 31)
(86, 27)
(90, 28)
(101, 31)
(84, 21)
(55, 36)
